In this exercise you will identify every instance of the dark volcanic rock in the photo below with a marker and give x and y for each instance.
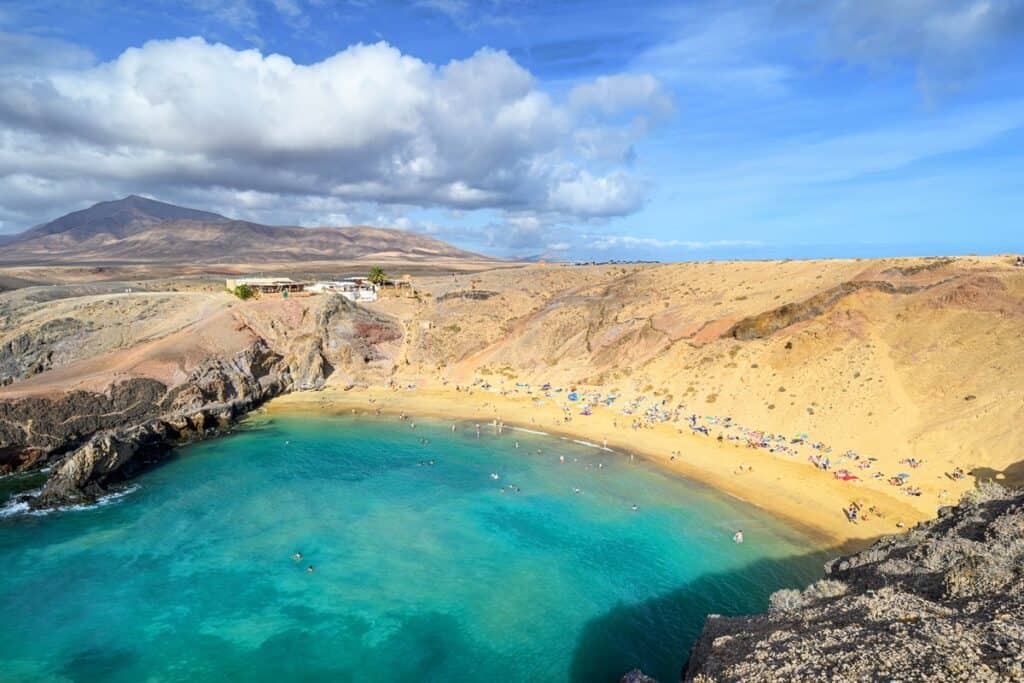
(943, 602)
(44, 425)
(143, 416)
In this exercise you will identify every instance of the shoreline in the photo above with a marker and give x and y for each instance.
(807, 499)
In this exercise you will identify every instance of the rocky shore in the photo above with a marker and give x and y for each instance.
(942, 602)
(92, 440)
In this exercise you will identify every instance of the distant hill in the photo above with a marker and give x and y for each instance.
(140, 230)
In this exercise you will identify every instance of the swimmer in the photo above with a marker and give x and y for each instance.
(561, 458)
(297, 556)
(577, 489)
(635, 507)
(494, 475)
(738, 537)
(453, 427)
(517, 444)
(309, 569)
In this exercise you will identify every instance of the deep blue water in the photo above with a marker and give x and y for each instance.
(422, 573)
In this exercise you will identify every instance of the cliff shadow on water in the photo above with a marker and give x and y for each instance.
(657, 635)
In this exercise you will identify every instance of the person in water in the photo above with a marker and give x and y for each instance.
(738, 537)
(309, 569)
(297, 556)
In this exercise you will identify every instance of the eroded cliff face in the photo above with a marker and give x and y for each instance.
(943, 602)
(93, 439)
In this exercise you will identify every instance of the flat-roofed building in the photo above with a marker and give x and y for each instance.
(267, 285)
(353, 289)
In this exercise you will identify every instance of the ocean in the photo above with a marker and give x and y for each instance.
(493, 563)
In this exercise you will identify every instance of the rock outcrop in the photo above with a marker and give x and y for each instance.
(943, 602)
(92, 439)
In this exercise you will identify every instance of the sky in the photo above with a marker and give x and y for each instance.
(571, 130)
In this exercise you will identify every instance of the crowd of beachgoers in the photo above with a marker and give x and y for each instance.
(644, 411)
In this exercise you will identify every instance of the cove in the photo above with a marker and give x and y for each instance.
(422, 572)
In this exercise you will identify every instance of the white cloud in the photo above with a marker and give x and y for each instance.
(623, 93)
(628, 241)
(582, 194)
(368, 124)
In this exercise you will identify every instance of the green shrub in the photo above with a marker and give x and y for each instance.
(244, 292)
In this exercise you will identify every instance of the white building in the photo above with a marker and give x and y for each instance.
(266, 285)
(353, 289)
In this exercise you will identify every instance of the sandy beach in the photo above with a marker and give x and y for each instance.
(788, 487)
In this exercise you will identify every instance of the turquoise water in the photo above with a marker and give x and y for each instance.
(422, 573)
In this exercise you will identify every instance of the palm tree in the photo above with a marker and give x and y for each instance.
(377, 276)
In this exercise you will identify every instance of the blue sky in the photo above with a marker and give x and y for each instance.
(570, 129)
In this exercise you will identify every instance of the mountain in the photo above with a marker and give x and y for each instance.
(140, 230)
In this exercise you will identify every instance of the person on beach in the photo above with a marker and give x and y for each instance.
(738, 536)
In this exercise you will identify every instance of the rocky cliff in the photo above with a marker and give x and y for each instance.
(943, 602)
(93, 439)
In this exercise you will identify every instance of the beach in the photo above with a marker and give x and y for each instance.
(788, 487)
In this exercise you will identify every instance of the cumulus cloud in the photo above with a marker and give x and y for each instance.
(368, 124)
